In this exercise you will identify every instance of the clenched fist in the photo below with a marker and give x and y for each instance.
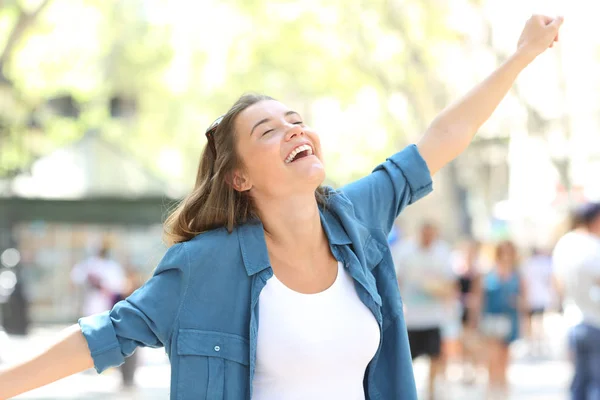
(540, 33)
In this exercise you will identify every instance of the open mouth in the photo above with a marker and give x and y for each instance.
(298, 153)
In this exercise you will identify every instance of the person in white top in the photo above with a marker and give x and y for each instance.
(105, 282)
(576, 258)
(102, 278)
(427, 285)
(539, 278)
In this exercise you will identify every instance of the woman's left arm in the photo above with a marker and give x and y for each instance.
(475, 302)
(452, 130)
(479, 295)
(523, 304)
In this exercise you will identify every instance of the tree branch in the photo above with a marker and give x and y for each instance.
(24, 21)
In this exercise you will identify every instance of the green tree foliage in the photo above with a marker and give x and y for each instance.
(171, 67)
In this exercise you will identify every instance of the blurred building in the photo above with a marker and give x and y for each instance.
(59, 212)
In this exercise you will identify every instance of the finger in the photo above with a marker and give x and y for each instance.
(546, 19)
(556, 23)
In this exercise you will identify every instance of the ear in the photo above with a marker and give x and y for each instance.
(239, 181)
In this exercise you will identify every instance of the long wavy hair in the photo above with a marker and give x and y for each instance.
(214, 203)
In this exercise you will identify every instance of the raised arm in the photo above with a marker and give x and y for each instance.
(67, 356)
(452, 130)
(406, 176)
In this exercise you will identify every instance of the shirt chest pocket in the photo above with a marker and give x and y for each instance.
(212, 365)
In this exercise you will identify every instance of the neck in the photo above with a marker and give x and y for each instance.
(293, 224)
(504, 267)
(589, 231)
(426, 245)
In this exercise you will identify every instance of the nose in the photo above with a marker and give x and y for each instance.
(293, 131)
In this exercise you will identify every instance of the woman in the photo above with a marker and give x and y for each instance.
(503, 300)
(258, 232)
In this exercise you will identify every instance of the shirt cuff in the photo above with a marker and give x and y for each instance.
(415, 171)
(102, 341)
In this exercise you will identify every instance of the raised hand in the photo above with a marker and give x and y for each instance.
(540, 33)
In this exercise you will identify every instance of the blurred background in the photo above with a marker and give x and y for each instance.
(104, 104)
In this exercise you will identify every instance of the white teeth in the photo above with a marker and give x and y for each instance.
(297, 150)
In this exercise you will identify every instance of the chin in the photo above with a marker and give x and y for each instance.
(317, 176)
(313, 181)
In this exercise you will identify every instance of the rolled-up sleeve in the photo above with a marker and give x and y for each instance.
(146, 318)
(396, 183)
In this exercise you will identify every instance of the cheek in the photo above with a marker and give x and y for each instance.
(316, 141)
(268, 153)
(262, 162)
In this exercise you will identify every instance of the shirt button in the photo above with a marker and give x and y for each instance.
(217, 348)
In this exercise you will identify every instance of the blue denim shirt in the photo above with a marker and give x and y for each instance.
(201, 304)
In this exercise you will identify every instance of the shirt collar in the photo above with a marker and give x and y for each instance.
(333, 228)
(254, 247)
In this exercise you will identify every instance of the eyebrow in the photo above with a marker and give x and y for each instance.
(265, 120)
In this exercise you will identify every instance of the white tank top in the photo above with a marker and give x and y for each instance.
(313, 346)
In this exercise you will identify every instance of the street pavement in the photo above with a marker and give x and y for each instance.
(541, 378)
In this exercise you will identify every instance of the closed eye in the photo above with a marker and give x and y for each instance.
(271, 130)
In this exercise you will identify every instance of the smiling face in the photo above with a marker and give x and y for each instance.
(280, 154)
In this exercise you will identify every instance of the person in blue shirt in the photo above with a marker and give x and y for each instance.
(275, 287)
(502, 298)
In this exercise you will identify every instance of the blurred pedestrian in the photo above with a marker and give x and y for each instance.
(424, 271)
(469, 283)
(130, 365)
(539, 278)
(105, 282)
(576, 258)
(502, 294)
(101, 278)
